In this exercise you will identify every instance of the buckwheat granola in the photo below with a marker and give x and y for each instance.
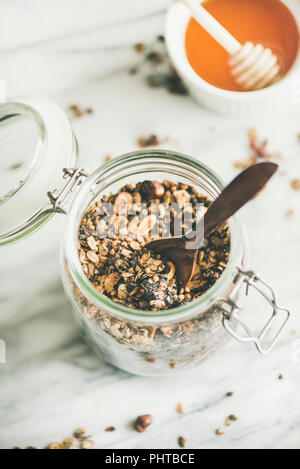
(123, 269)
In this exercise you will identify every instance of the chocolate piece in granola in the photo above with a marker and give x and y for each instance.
(152, 190)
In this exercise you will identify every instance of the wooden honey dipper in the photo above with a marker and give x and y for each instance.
(252, 66)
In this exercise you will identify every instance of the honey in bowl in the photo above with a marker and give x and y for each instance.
(266, 22)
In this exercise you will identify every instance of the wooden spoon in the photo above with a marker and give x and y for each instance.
(242, 189)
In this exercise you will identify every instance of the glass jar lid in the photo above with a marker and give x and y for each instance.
(36, 143)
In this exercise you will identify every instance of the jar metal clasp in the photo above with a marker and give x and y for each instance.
(74, 177)
(231, 318)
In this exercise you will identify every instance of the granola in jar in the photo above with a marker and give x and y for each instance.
(112, 250)
(113, 256)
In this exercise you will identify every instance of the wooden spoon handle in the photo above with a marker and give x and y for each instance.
(242, 189)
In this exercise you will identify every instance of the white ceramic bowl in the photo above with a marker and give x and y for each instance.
(282, 94)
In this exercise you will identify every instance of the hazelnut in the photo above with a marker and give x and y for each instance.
(142, 422)
(152, 190)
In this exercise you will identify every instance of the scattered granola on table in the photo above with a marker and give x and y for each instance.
(231, 418)
(156, 67)
(295, 184)
(155, 58)
(259, 151)
(76, 111)
(79, 432)
(179, 408)
(133, 70)
(16, 166)
(153, 140)
(79, 440)
(142, 422)
(148, 141)
(56, 445)
(182, 442)
(107, 158)
(227, 422)
(219, 432)
(87, 444)
(289, 213)
(139, 47)
(169, 80)
(259, 148)
(110, 429)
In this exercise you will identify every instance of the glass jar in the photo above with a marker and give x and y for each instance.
(36, 143)
(141, 342)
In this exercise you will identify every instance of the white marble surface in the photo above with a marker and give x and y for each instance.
(79, 52)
